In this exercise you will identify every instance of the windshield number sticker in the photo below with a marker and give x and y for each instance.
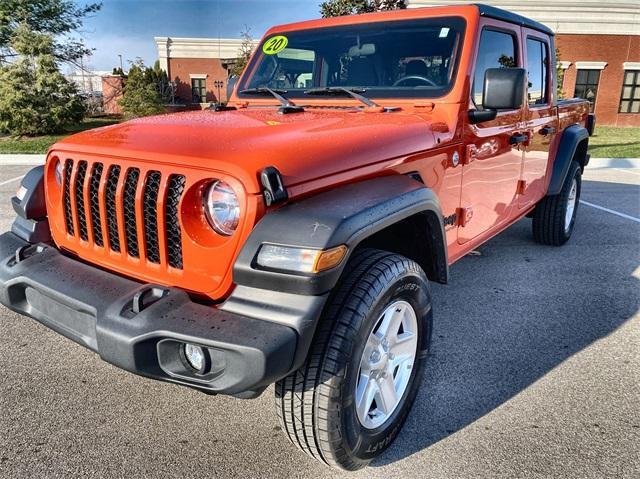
(275, 45)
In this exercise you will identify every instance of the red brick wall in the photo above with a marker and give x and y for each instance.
(111, 94)
(613, 49)
(181, 68)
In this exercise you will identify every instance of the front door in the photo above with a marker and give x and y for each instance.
(541, 117)
(493, 160)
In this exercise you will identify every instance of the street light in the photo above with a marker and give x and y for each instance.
(218, 84)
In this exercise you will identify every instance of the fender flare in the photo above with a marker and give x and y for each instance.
(572, 137)
(346, 215)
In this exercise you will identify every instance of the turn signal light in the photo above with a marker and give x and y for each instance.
(301, 260)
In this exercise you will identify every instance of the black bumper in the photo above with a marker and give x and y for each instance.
(141, 327)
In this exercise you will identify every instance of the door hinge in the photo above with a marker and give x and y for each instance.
(464, 215)
(521, 188)
(470, 154)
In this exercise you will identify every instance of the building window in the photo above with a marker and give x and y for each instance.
(198, 90)
(587, 86)
(630, 99)
(496, 50)
(537, 64)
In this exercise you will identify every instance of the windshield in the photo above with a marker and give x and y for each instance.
(398, 59)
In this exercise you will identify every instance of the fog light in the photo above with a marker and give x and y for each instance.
(195, 356)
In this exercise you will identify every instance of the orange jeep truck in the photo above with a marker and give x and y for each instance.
(289, 237)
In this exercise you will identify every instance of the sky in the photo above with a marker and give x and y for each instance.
(127, 27)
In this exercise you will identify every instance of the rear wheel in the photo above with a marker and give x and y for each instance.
(555, 216)
(348, 401)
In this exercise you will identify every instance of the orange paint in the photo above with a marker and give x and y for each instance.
(315, 150)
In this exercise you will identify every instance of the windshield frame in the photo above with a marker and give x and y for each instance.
(457, 21)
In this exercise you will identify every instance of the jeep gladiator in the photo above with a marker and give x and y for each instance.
(289, 237)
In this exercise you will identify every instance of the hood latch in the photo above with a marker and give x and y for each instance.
(274, 190)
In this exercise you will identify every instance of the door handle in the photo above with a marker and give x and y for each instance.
(518, 138)
(547, 130)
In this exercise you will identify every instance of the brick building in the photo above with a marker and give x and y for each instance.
(599, 45)
(199, 67)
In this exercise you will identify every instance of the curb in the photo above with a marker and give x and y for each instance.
(594, 163)
(613, 163)
(21, 159)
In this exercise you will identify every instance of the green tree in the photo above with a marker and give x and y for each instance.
(140, 96)
(337, 8)
(34, 96)
(157, 77)
(56, 18)
(244, 54)
(559, 76)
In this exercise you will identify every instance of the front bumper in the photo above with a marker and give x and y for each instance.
(141, 327)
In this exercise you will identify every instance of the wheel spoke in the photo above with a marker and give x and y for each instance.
(365, 394)
(388, 396)
(390, 322)
(404, 346)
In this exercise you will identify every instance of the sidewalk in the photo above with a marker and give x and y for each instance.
(23, 159)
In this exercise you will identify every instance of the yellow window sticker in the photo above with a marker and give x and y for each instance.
(275, 45)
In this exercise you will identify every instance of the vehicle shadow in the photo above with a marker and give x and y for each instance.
(514, 312)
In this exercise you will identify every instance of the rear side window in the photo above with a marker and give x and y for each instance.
(537, 73)
(497, 50)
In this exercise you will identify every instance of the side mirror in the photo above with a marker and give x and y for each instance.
(503, 90)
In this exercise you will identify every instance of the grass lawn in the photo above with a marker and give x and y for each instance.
(40, 144)
(615, 142)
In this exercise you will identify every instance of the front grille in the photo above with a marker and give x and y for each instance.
(98, 220)
(151, 216)
(110, 206)
(130, 220)
(79, 190)
(174, 235)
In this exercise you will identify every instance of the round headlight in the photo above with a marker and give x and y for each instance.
(221, 207)
(59, 172)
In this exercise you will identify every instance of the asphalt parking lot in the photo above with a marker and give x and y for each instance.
(534, 372)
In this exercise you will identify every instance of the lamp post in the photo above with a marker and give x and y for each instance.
(218, 84)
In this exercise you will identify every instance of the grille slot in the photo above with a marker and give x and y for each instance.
(111, 202)
(110, 206)
(79, 192)
(94, 186)
(175, 189)
(68, 214)
(151, 189)
(129, 205)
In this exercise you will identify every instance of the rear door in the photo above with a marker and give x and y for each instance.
(493, 162)
(540, 115)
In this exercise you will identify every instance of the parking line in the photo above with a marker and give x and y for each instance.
(11, 180)
(617, 213)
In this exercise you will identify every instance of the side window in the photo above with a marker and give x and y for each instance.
(587, 86)
(537, 64)
(497, 50)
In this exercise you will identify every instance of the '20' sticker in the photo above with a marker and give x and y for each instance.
(275, 45)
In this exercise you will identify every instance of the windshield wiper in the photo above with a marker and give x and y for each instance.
(339, 90)
(287, 106)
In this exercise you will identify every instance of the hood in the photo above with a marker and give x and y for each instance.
(302, 146)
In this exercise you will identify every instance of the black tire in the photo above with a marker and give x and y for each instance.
(315, 404)
(549, 225)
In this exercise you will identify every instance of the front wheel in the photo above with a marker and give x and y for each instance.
(555, 216)
(348, 401)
